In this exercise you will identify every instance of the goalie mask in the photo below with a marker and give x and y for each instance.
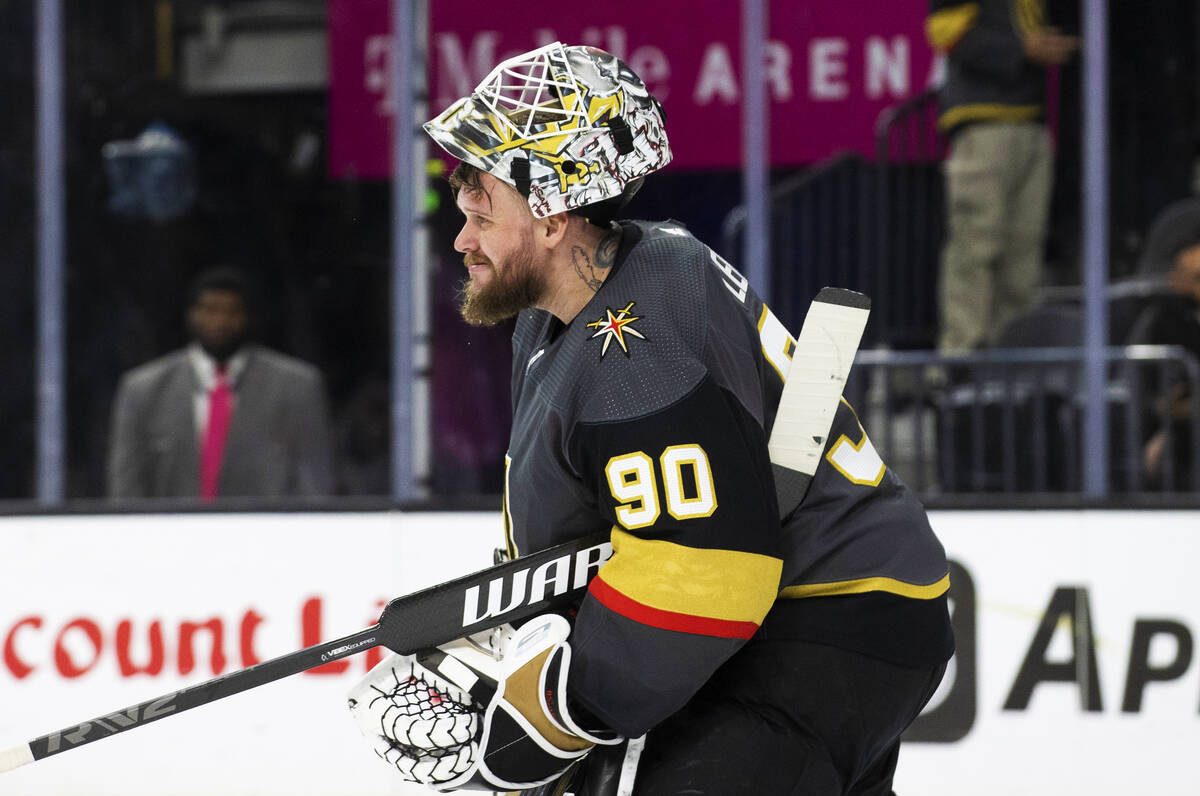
(568, 127)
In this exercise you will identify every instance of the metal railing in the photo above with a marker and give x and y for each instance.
(817, 218)
(1011, 420)
(909, 217)
(875, 227)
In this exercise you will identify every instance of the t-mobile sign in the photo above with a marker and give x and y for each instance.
(830, 67)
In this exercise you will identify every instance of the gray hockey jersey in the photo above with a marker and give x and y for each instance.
(649, 415)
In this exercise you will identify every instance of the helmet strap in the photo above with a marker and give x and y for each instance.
(622, 135)
(519, 171)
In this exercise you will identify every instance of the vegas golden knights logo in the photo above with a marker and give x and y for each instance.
(615, 326)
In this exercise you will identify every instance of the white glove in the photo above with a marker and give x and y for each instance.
(485, 712)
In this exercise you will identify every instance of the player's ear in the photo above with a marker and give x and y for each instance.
(552, 229)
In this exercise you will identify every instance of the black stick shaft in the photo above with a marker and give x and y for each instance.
(202, 693)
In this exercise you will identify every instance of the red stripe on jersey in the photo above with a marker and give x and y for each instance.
(667, 620)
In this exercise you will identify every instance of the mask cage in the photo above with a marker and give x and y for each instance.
(535, 95)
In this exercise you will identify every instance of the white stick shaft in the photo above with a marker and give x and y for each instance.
(629, 768)
(820, 365)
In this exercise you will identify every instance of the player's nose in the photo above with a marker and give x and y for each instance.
(465, 241)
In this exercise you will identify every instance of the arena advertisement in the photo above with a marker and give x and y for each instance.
(100, 613)
(1075, 672)
(830, 67)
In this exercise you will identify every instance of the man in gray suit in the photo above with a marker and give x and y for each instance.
(220, 417)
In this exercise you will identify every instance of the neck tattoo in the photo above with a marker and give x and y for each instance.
(593, 268)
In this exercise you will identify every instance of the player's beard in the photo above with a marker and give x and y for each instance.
(515, 286)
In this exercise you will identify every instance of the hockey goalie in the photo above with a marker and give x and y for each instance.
(736, 642)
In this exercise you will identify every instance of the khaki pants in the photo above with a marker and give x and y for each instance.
(998, 179)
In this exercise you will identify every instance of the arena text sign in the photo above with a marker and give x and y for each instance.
(830, 68)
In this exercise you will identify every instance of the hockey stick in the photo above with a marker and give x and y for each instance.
(509, 592)
(534, 583)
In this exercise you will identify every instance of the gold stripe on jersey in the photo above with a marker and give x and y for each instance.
(988, 111)
(862, 585)
(946, 27)
(718, 584)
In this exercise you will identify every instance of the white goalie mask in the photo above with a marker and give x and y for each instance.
(567, 127)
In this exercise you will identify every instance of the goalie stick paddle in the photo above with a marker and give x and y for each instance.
(812, 389)
(535, 583)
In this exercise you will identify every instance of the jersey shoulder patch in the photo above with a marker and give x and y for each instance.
(638, 345)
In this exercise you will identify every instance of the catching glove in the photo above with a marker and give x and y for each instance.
(485, 712)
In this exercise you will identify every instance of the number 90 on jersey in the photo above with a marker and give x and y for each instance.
(687, 482)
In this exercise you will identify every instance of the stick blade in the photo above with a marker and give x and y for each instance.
(15, 757)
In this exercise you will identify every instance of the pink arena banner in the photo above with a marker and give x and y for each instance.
(831, 66)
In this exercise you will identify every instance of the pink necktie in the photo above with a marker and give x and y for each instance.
(220, 410)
